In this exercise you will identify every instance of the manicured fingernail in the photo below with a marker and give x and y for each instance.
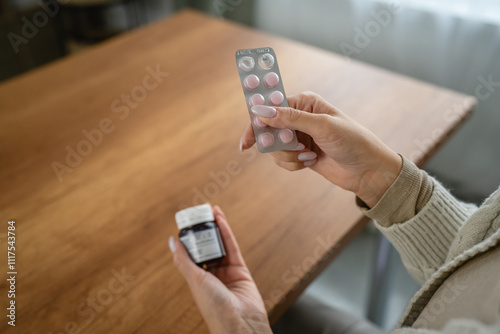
(309, 162)
(299, 147)
(171, 244)
(264, 111)
(241, 144)
(306, 156)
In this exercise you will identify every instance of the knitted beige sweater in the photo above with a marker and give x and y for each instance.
(438, 237)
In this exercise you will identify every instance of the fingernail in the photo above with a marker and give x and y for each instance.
(264, 111)
(309, 162)
(241, 144)
(306, 156)
(299, 147)
(171, 243)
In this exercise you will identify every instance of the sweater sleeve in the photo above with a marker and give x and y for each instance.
(420, 218)
(455, 326)
(404, 199)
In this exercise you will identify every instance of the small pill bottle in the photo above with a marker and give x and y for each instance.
(200, 235)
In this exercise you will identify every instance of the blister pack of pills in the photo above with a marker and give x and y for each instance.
(261, 81)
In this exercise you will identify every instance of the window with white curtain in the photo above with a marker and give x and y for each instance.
(482, 10)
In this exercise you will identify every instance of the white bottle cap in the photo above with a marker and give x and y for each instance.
(194, 215)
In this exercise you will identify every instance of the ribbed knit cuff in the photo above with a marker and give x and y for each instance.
(407, 195)
(424, 241)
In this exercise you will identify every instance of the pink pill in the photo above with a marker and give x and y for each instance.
(266, 139)
(256, 100)
(276, 98)
(258, 123)
(251, 82)
(271, 80)
(286, 135)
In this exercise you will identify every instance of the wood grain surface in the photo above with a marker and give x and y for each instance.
(164, 112)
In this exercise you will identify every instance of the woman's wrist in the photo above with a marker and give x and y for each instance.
(251, 320)
(377, 179)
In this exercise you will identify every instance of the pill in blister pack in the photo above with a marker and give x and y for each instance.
(262, 85)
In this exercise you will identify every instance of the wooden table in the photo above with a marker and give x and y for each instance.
(100, 149)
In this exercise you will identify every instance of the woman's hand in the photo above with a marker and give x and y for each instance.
(334, 145)
(227, 297)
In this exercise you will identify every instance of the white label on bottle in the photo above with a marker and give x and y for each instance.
(202, 245)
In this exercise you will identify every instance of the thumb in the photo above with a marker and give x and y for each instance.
(191, 272)
(290, 118)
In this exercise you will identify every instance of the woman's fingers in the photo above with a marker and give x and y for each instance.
(303, 102)
(233, 254)
(293, 166)
(248, 138)
(285, 156)
(193, 274)
(295, 157)
(188, 269)
(289, 118)
(307, 101)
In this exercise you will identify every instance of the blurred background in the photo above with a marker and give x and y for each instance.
(450, 43)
